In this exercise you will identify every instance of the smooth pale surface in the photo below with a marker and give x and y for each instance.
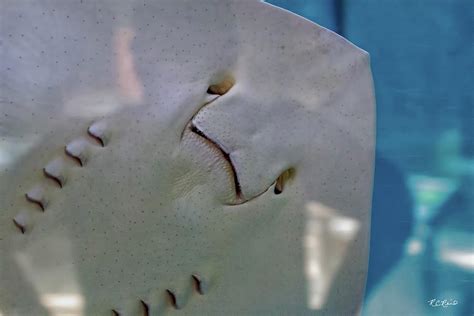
(150, 208)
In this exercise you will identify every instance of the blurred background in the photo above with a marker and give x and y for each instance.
(422, 233)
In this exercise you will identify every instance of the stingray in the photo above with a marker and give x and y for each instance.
(193, 157)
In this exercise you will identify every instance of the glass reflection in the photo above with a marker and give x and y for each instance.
(56, 285)
(327, 236)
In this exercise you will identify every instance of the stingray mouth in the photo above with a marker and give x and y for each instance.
(219, 151)
(225, 155)
(230, 167)
(218, 90)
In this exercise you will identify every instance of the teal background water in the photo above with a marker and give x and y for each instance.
(422, 231)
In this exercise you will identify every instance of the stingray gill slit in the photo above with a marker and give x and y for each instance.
(222, 87)
(173, 299)
(19, 224)
(145, 307)
(73, 156)
(55, 171)
(199, 284)
(36, 199)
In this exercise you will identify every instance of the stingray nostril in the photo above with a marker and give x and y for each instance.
(222, 87)
(145, 308)
(280, 182)
(278, 189)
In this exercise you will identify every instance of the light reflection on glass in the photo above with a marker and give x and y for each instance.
(326, 240)
(56, 285)
(129, 83)
(11, 149)
(462, 259)
(63, 303)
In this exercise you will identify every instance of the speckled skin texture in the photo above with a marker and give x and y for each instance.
(135, 203)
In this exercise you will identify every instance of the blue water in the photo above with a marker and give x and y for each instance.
(423, 202)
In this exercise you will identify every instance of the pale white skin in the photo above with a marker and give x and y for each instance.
(155, 205)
